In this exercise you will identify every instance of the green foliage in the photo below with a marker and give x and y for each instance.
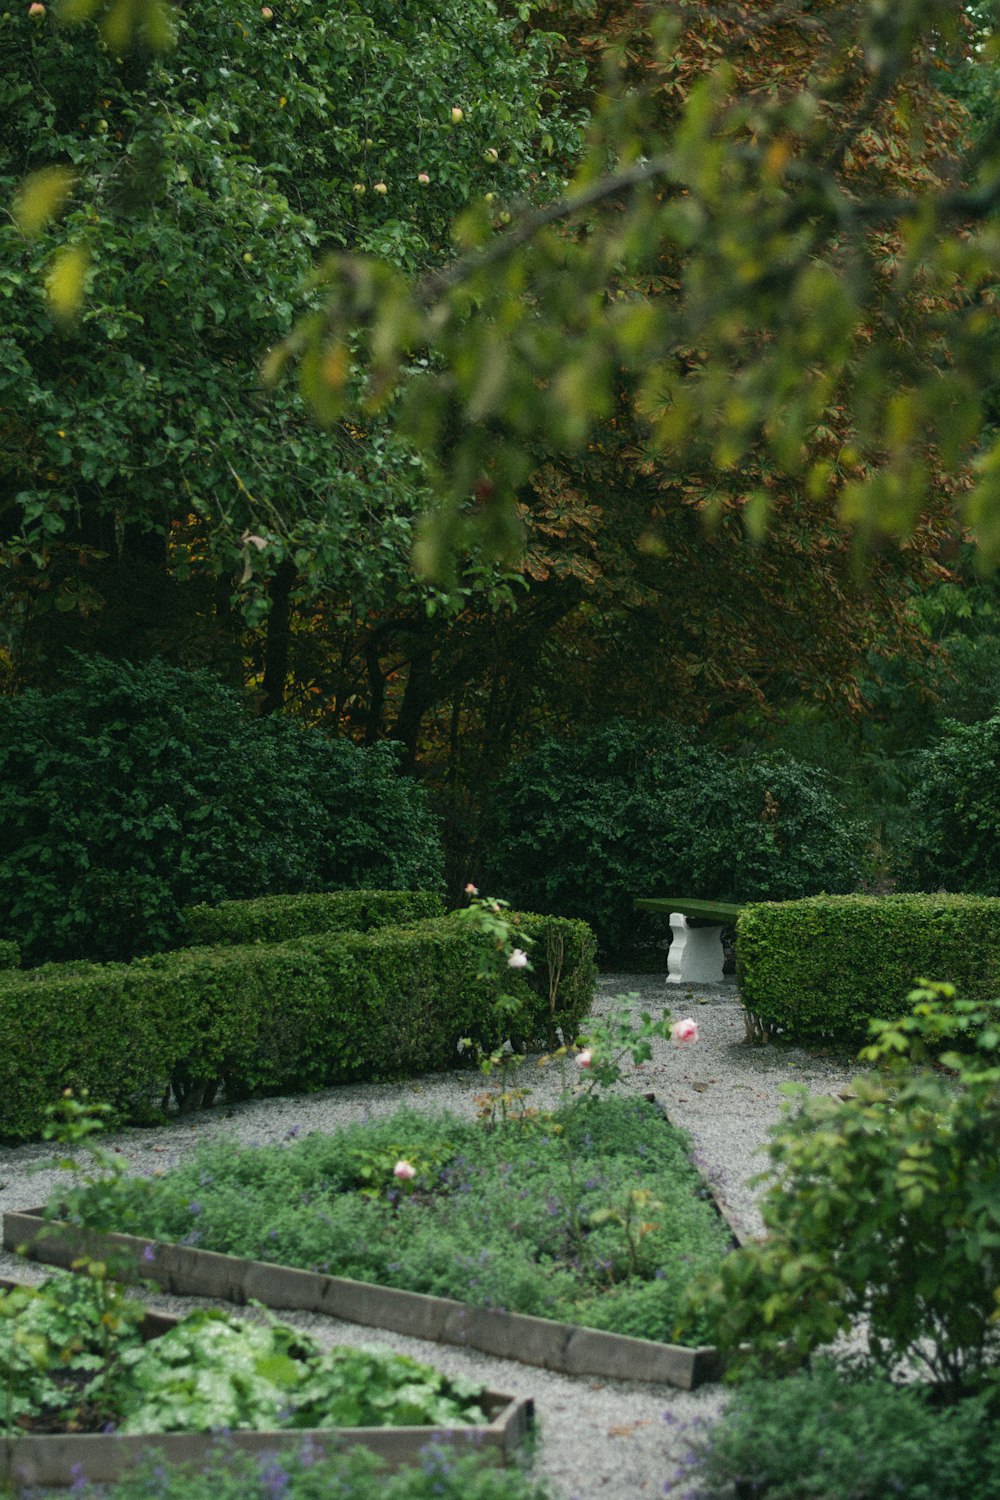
(583, 826)
(272, 1017)
(275, 919)
(133, 791)
(593, 1214)
(725, 257)
(954, 812)
(442, 1474)
(824, 1434)
(201, 183)
(10, 955)
(212, 1371)
(884, 1207)
(60, 1351)
(71, 1353)
(823, 968)
(73, 1123)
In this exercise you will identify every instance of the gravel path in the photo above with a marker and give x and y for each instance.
(596, 1438)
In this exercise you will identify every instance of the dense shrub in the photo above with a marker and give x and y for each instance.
(10, 955)
(882, 1211)
(823, 968)
(854, 1439)
(275, 919)
(136, 790)
(582, 826)
(273, 1018)
(953, 816)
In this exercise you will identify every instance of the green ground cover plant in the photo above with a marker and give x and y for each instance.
(592, 1213)
(442, 1474)
(73, 1360)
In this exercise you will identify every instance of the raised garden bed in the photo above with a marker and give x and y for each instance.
(55, 1457)
(607, 1217)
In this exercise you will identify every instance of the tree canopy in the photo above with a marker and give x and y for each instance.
(777, 238)
(167, 211)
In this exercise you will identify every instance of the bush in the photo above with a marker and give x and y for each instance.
(272, 1018)
(137, 790)
(882, 1211)
(856, 1439)
(442, 1474)
(275, 919)
(580, 827)
(821, 969)
(954, 813)
(10, 955)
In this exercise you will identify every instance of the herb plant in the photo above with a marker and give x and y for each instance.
(73, 1360)
(592, 1213)
(854, 1439)
(440, 1475)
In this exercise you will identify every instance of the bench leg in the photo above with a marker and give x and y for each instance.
(695, 955)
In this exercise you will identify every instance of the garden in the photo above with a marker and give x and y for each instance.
(466, 471)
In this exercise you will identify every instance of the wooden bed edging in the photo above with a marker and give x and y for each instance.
(188, 1272)
(59, 1459)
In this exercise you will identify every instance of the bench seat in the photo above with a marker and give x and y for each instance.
(695, 955)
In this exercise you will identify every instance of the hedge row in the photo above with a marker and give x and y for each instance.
(10, 955)
(820, 969)
(276, 919)
(271, 1018)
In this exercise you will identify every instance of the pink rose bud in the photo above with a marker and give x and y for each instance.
(685, 1031)
(404, 1171)
(471, 890)
(423, 179)
(518, 959)
(584, 1058)
(36, 10)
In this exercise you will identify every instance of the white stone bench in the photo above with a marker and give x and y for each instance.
(695, 955)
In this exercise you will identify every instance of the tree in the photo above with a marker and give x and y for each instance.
(792, 265)
(140, 459)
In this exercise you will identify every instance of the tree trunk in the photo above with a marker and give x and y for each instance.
(277, 639)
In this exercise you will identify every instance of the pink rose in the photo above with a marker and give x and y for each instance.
(404, 1171)
(584, 1058)
(471, 890)
(685, 1031)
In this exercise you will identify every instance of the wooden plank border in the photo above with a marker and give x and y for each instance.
(187, 1272)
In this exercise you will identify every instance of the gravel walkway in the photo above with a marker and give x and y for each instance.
(596, 1438)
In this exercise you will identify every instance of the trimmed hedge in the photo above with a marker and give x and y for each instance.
(276, 919)
(10, 955)
(271, 1018)
(820, 969)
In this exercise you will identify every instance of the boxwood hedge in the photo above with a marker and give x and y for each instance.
(275, 919)
(821, 968)
(272, 1017)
